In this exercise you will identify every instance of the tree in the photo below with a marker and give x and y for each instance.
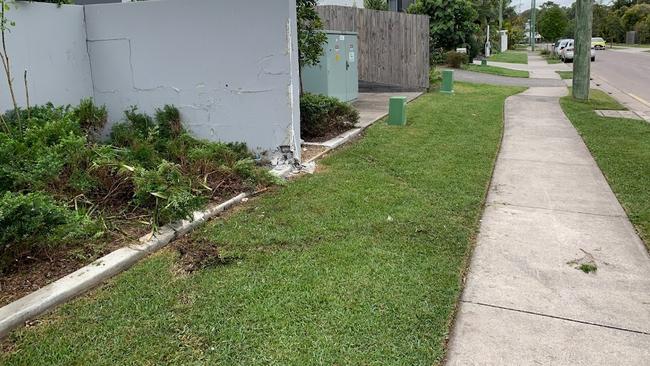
(552, 23)
(516, 31)
(612, 28)
(310, 35)
(451, 21)
(375, 4)
(635, 15)
(600, 14)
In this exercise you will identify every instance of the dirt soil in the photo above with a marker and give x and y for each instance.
(309, 151)
(197, 254)
(34, 272)
(327, 136)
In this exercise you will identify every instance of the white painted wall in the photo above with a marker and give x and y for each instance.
(50, 42)
(353, 3)
(231, 67)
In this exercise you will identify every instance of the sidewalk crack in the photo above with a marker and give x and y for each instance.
(558, 317)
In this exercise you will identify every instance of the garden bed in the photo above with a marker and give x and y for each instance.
(67, 198)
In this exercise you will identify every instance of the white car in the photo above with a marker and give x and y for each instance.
(560, 45)
(567, 53)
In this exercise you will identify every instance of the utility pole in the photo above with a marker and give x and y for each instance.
(582, 50)
(533, 10)
(500, 14)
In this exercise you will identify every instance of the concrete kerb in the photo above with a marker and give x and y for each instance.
(47, 298)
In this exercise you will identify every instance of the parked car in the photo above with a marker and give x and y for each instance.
(560, 45)
(568, 51)
(598, 43)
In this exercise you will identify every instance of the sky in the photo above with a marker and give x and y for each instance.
(525, 4)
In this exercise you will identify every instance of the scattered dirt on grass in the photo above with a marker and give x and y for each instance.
(196, 254)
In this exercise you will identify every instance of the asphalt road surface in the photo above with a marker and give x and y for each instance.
(627, 70)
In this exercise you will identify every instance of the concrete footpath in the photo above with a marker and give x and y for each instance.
(550, 210)
(537, 67)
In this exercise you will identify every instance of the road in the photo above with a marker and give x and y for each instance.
(626, 70)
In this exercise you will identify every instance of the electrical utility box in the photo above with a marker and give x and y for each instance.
(337, 74)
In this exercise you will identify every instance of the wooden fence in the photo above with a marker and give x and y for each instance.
(393, 47)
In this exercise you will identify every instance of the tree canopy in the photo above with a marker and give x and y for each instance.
(452, 22)
(553, 23)
(375, 4)
(310, 35)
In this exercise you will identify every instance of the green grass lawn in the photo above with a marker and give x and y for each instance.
(495, 70)
(515, 57)
(551, 59)
(360, 263)
(621, 148)
(565, 74)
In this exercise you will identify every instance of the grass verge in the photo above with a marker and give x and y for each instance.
(625, 45)
(515, 57)
(551, 59)
(495, 70)
(360, 263)
(621, 148)
(565, 74)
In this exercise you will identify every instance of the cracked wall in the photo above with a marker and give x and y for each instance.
(50, 43)
(230, 67)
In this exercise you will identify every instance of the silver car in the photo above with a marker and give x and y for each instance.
(567, 53)
(560, 45)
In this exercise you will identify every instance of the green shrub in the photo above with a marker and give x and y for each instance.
(151, 165)
(40, 156)
(375, 4)
(169, 122)
(435, 77)
(456, 59)
(544, 52)
(167, 192)
(437, 56)
(321, 115)
(33, 222)
(90, 117)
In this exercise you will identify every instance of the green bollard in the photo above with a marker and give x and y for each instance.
(483, 62)
(447, 82)
(397, 111)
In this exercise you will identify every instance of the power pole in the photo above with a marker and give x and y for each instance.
(500, 14)
(582, 50)
(533, 10)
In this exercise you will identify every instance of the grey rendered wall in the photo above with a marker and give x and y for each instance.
(229, 66)
(50, 42)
